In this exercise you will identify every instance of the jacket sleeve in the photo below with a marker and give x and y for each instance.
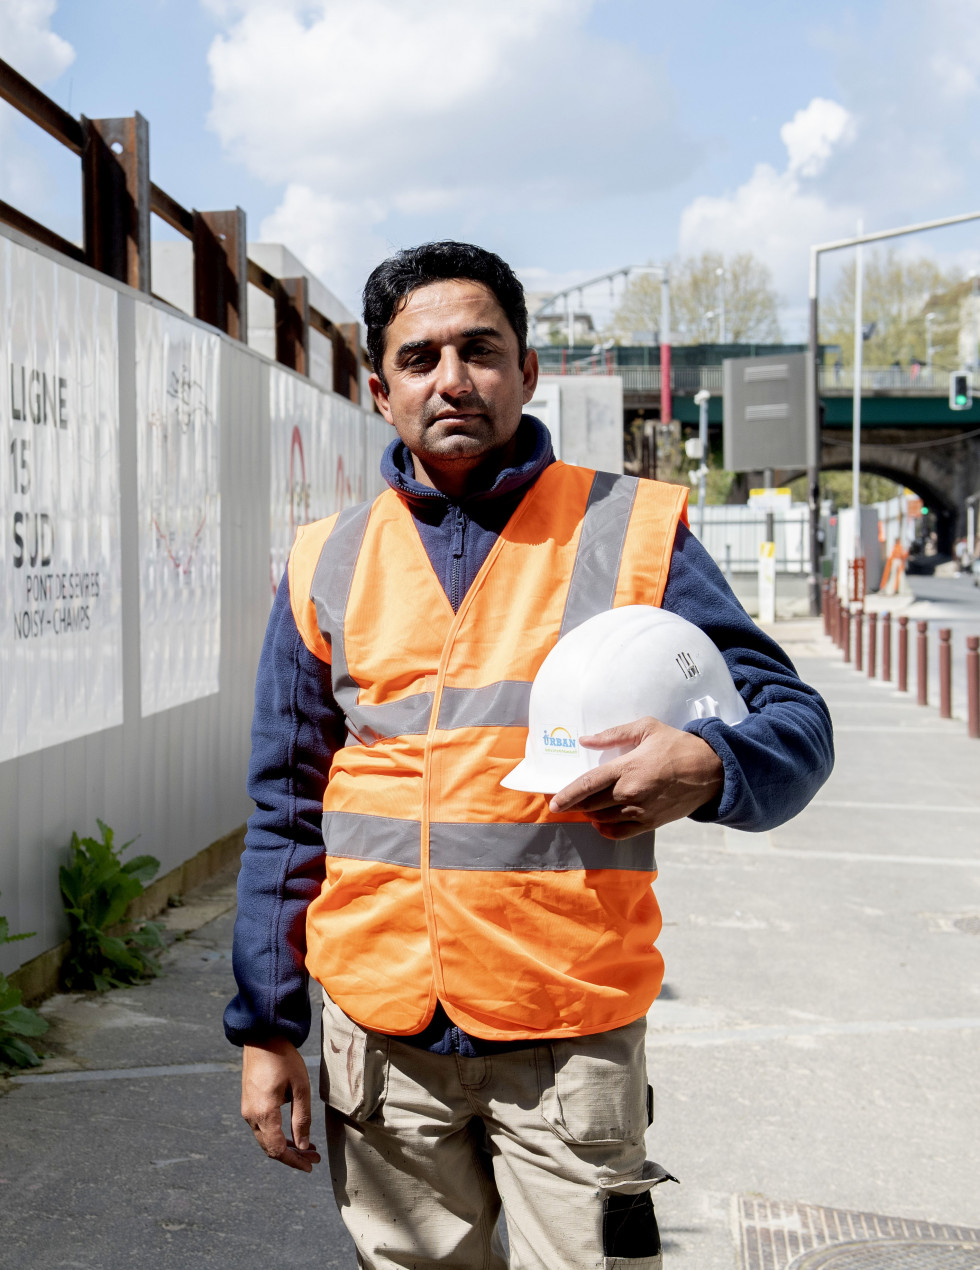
(777, 758)
(296, 729)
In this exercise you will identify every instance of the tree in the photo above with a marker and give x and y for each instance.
(897, 295)
(695, 292)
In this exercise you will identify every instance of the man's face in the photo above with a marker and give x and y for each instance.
(455, 389)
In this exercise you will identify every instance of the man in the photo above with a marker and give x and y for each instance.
(487, 956)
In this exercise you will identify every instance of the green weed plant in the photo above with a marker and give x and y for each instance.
(106, 951)
(16, 1021)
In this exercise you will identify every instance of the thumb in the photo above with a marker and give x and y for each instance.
(623, 734)
(301, 1114)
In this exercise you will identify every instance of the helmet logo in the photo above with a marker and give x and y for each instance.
(688, 666)
(560, 741)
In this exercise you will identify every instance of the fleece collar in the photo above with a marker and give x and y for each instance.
(534, 454)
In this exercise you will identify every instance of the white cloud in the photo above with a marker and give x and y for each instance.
(775, 214)
(812, 134)
(29, 44)
(432, 109)
(331, 236)
(32, 48)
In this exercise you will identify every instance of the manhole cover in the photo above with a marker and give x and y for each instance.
(783, 1235)
(891, 1254)
(968, 925)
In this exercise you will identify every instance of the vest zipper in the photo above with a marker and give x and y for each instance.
(459, 526)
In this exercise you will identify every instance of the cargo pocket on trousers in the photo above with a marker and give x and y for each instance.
(630, 1235)
(353, 1065)
(594, 1088)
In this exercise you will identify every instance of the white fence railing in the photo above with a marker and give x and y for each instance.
(732, 535)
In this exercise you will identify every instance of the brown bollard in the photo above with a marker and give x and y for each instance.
(886, 646)
(846, 630)
(973, 685)
(872, 644)
(922, 662)
(859, 638)
(945, 674)
(903, 654)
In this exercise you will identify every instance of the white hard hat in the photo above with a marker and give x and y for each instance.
(619, 666)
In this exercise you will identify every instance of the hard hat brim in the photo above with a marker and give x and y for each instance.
(530, 779)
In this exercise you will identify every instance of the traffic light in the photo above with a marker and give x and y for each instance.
(960, 390)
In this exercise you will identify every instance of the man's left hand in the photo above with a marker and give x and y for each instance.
(665, 776)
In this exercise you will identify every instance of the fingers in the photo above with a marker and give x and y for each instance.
(301, 1114)
(590, 785)
(625, 734)
(270, 1137)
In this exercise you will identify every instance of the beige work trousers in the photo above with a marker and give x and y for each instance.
(424, 1149)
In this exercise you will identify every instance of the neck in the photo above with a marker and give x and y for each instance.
(457, 481)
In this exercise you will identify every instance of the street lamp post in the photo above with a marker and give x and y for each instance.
(856, 408)
(812, 394)
(720, 275)
(702, 397)
(930, 318)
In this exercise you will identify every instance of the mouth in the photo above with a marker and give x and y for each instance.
(458, 416)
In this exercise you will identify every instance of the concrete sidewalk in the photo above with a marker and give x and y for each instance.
(815, 1054)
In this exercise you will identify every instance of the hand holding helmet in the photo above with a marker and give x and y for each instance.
(665, 775)
(606, 715)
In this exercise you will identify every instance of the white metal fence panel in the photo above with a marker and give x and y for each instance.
(732, 535)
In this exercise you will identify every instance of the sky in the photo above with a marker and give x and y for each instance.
(571, 136)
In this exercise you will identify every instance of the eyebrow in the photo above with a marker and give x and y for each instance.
(471, 333)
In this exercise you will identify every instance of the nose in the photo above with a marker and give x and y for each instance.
(453, 376)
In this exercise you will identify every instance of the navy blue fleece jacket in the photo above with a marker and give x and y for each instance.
(774, 761)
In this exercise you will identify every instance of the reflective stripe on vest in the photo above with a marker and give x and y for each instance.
(518, 848)
(441, 884)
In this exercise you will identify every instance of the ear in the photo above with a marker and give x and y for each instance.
(530, 374)
(380, 395)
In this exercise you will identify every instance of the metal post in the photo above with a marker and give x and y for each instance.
(292, 301)
(858, 372)
(922, 662)
(722, 333)
(825, 605)
(886, 646)
(116, 198)
(841, 608)
(973, 685)
(903, 654)
(847, 632)
(945, 674)
(350, 339)
(813, 441)
(872, 644)
(702, 398)
(221, 271)
(666, 400)
(859, 638)
(768, 480)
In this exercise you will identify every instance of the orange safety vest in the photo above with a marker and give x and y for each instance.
(440, 884)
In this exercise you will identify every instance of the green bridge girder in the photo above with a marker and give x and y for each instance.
(884, 411)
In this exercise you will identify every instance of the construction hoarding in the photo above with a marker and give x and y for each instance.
(60, 599)
(177, 412)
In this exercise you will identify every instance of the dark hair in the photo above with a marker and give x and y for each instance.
(398, 276)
